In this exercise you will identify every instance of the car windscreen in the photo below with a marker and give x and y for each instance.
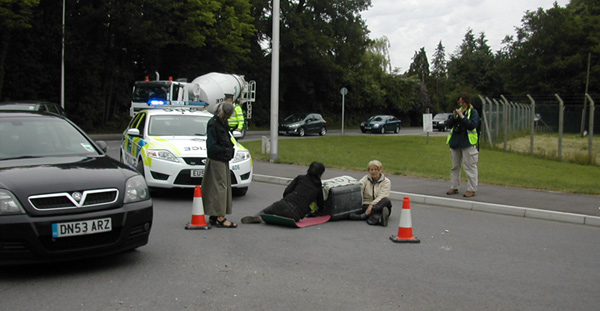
(178, 125)
(441, 117)
(22, 107)
(295, 118)
(142, 93)
(42, 137)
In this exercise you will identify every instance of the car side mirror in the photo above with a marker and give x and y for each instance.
(133, 132)
(103, 145)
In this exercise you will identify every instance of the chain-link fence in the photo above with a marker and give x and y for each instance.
(552, 127)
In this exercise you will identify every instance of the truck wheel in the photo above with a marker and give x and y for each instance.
(301, 132)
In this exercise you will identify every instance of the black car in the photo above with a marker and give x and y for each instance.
(381, 124)
(61, 196)
(31, 105)
(440, 121)
(303, 123)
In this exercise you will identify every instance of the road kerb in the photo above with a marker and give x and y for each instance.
(470, 205)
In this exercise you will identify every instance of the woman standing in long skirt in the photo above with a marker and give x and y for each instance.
(216, 183)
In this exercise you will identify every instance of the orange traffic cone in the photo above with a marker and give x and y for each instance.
(405, 232)
(198, 218)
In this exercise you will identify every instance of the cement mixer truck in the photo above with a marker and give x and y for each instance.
(207, 91)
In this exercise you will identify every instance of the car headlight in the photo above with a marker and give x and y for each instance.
(9, 205)
(162, 154)
(241, 155)
(294, 125)
(136, 190)
(376, 125)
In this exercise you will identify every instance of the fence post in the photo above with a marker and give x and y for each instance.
(531, 124)
(497, 118)
(561, 105)
(490, 114)
(591, 133)
(485, 121)
(505, 119)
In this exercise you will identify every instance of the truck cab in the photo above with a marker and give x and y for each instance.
(172, 92)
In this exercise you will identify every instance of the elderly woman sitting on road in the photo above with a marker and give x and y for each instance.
(377, 207)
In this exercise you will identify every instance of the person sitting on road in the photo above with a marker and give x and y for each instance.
(377, 206)
(297, 196)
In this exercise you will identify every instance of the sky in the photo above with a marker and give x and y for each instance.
(410, 25)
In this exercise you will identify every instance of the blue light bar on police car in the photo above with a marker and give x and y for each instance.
(157, 102)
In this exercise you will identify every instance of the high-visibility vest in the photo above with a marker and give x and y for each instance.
(471, 134)
(236, 121)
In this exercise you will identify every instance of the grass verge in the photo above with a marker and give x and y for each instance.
(413, 156)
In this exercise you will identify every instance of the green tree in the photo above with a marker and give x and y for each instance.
(439, 79)
(14, 15)
(549, 53)
(322, 41)
(473, 65)
(420, 65)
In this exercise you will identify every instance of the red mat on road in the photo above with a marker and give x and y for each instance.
(288, 222)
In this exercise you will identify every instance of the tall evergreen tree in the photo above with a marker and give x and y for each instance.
(439, 75)
(420, 65)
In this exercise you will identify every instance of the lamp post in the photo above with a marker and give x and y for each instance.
(62, 61)
(343, 91)
(275, 81)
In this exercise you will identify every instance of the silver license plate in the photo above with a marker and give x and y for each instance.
(197, 173)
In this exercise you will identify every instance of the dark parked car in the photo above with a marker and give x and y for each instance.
(61, 196)
(381, 124)
(440, 121)
(30, 105)
(303, 123)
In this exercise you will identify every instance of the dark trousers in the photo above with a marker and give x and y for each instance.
(284, 209)
(376, 211)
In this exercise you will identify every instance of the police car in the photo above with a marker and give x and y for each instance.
(168, 147)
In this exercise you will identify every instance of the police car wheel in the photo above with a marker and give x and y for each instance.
(239, 192)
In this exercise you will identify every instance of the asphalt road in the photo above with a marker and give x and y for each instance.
(466, 261)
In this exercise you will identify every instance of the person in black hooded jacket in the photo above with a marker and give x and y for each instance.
(297, 196)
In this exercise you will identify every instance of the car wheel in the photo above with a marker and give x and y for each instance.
(397, 130)
(323, 131)
(382, 130)
(301, 132)
(239, 192)
(140, 167)
(363, 130)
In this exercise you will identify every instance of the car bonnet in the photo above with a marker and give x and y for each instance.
(28, 177)
(181, 146)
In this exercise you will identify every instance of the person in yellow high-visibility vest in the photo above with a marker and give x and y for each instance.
(463, 140)
(236, 122)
